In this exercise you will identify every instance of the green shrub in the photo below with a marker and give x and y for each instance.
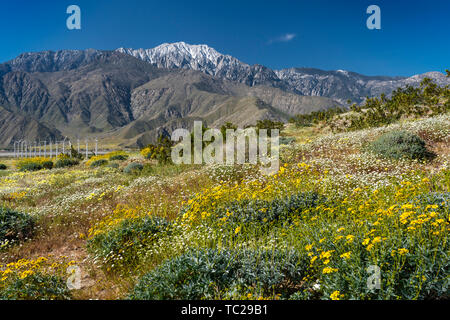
(441, 199)
(75, 154)
(307, 120)
(269, 125)
(227, 274)
(30, 166)
(2, 166)
(47, 165)
(400, 144)
(118, 157)
(262, 211)
(121, 244)
(286, 140)
(161, 151)
(15, 225)
(225, 127)
(37, 286)
(113, 165)
(133, 168)
(99, 163)
(66, 162)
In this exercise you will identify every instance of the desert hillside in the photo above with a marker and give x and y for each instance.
(357, 193)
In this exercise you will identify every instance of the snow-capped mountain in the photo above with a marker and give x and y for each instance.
(340, 85)
(206, 59)
(182, 55)
(71, 92)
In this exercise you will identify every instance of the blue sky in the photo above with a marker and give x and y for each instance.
(322, 34)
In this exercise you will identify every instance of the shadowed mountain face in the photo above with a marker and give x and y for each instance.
(163, 104)
(339, 85)
(122, 98)
(74, 91)
(14, 127)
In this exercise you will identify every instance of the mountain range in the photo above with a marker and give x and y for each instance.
(129, 97)
(339, 85)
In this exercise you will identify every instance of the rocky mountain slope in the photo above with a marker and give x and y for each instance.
(94, 92)
(342, 85)
(339, 85)
(14, 127)
(77, 92)
(131, 96)
(176, 100)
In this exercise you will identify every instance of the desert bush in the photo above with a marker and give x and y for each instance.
(400, 144)
(62, 156)
(39, 279)
(133, 168)
(307, 120)
(31, 166)
(225, 127)
(37, 286)
(75, 154)
(214, 274)
(98, 163)
(269, 125)
(120, 245)
(47, 165)
(441, 199)
(254, 214)
(119, 154)
(263, 211)
(66, 162)
(160, 152)
(15, 225)
(286, 140)
(2, 166)
(118, 157)
(113, 165)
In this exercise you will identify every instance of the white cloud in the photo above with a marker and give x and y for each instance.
(284, 38)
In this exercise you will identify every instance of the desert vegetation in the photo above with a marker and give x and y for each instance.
(356, 190)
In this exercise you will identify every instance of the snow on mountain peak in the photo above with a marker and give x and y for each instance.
(182, 55)
(304, 81)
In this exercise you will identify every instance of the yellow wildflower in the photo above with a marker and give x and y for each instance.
(346, 255)
(336, 295)
(329, 270)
